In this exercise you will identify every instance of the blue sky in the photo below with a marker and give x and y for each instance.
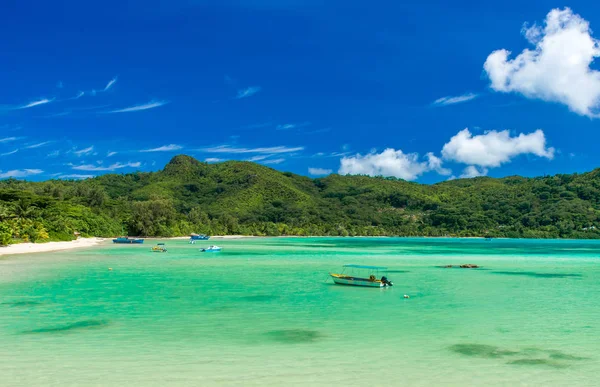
(414, 90)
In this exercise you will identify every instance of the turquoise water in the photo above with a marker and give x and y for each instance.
(263, 312)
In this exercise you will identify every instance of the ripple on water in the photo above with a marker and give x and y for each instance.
(538, 275)
(76, 326)
(295, 336)
(260, 298)
(22, 303)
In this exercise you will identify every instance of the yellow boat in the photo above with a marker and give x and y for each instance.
(372, 281)
(159, 248)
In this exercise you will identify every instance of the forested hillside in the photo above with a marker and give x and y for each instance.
(237, 197)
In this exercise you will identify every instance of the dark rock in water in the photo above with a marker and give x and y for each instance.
(558, 355)
(538, 362)
(447, 266)
(481, 350)
(79, 325)
(295, 336)
(22, 303)
(469, 266)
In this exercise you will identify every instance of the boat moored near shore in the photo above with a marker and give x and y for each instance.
(127, 240)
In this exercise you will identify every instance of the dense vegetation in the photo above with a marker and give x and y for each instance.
(246, 198)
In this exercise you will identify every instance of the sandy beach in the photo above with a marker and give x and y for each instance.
(28, 248)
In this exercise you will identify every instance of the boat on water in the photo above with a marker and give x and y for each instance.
(199, 237)
(128, 240)
(159, 248)
(210, 249)
(361, 275)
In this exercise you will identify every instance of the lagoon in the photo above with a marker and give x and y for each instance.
(264, 312)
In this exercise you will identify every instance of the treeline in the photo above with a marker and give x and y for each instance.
(250, 199)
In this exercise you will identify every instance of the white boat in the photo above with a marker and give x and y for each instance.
(370, 281)
(210, 249)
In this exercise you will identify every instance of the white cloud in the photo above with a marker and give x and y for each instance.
(110, 84)
(42, 101)
(434, 163)
(9, 153)
(258, 157)
(39, 144)
(273, 161)
(109, 154)
(292, 126)
(473, 171)
(230, 149)
(164, 148)
(445, 101)
(8, 139)
(494, 148)
(137, 108)
(247, 92)
(558, 69)
(54, 153)
(213, 160)
(319, 171)
(390, 162)
(20, 173)
(112, 167)
(85, 151)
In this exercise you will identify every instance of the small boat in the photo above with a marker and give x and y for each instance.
(211, 249)
(199, 237)
(361, 279)
(128, 240)
(159, 248)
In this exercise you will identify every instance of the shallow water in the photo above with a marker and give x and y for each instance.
(263, 312)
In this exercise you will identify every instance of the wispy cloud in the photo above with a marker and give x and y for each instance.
(110, 83)
(247, 92)
(273, 149)
(109, 154)
(75, 176)
(292, 126)
(137, 108)
(112, 167)
(319, 171)
(273, 161)
(452, 100)
(85, 151)
(258, 157)
(79, 95)
(54, 153)
(164, 148)
(20, 173)
(8, 139)
(9, 153)
(39, 144)
(213, 160)
(31, 104)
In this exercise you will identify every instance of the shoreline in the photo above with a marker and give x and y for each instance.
(30, 248)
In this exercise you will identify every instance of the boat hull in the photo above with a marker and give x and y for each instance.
(355, 281)
(128, 241)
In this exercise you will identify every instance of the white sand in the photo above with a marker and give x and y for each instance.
(27, 248)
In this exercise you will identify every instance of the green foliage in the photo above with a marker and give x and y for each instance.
(246, 198)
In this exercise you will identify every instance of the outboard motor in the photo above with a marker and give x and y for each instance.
(386, 282)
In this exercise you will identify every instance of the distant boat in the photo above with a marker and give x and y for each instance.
(211, 249)
(159, 248)
(199, 237)
(128, 240)
(360, 279)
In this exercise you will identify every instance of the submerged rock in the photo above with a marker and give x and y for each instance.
(481, 350)
(469, 266)
(295, 336)
(79, 325)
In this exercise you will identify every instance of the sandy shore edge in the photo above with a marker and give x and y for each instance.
(29, 248)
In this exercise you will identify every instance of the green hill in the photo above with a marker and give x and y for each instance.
(237, 197)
